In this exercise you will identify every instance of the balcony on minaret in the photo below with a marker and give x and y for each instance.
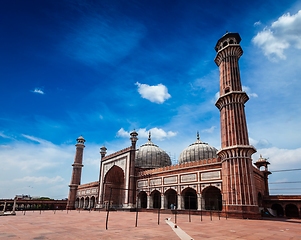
(103, 151)
(262, 162)
(227, 39)
(80, 140)
(134, 138)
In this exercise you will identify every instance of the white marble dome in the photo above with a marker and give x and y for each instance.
(150, 156)
(197, 151)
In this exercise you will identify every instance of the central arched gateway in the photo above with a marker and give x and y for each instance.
(114, 179)
(190, 198)
(213, 198)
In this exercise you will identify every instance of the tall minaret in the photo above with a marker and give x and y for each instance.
(132, 185)
(76, 173)
(239, 194)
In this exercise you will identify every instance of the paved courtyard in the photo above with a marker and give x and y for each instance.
(91, 225)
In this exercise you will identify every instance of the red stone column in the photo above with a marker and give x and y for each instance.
(76, 173)
(239, 196)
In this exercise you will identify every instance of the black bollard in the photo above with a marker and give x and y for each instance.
(189, 208)
(158, 215)
(201, 215)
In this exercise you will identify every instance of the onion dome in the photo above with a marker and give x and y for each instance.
(261, 159)
(197, 151)
(150, 156)
(262, 162)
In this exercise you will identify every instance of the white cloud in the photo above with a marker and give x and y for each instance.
(157, 94)
(100, 116)
(262, 143)
(280, 158)
(257, 23)
(35, 139)
(249, 92)
(209, 130)
(5, 136)
(37, 90)
(44, 180)
(156, 133)
(123, 133)
(282, 34)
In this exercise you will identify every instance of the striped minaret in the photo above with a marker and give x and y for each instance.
(237, 171)
(76, 172)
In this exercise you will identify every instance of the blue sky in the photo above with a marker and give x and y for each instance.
(102, 68)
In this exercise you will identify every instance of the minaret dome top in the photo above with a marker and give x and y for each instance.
(81, 140)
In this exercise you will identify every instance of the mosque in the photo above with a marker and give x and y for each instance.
(205, 178)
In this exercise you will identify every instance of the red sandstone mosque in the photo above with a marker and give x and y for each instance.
(222, 180)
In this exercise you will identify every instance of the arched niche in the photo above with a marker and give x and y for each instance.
(142, 199)
(212, 198)
(171, 198)
(189, 197)
(156, 199)
(278, 209)
(291, 211)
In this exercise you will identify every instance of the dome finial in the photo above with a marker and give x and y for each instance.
(198, 135)
(149, 135)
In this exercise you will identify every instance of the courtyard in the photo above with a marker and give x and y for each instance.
(121, 225)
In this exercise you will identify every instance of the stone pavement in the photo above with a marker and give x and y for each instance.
(91, 225)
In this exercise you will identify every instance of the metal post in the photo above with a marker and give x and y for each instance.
(136, 213)
(158, 216)
(189, 208)
(219, 217)
(201, 215)
(108, 210)
(176, 210)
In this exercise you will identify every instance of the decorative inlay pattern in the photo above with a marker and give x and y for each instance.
(210, 175)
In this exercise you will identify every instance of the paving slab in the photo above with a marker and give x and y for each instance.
(121, 225)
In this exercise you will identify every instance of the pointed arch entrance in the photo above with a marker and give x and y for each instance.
(142, 199)
(278, 210)
(171, 198)
(190, 198)
(114, 179)
(156, 199)
(291, 211)
(92, 202)
(213, 198)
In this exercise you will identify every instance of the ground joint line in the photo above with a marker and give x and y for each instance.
(181, 234)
